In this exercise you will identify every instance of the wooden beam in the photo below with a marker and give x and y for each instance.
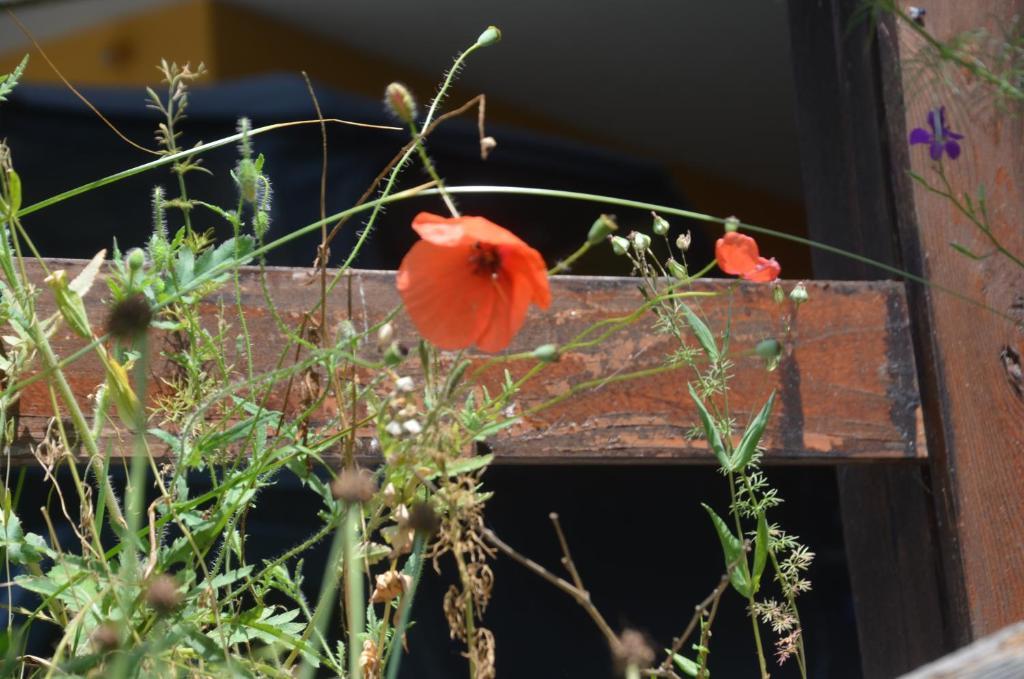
(974, 401)
(997, 656)
(846, 386)
(892, 545)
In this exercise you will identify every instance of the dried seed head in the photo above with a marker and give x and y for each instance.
(129, 317)
(162, 595)
(390, 585)
(106, 637)
(423, 519)
(633, 651)
(369, 660)
(683, 241)
(354, 485)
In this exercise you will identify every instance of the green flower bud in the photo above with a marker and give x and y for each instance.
(247, 177)
(602, 228)
(548, 353)
(799, 294)
(489, 37)
(660, 226)
(676, 269)
(768, 348)
(395, 354)
(641, 242)
(620, 245)
(136, 259)
(778, 294)
(732, 224)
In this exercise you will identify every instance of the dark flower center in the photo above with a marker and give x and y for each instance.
(485, 260)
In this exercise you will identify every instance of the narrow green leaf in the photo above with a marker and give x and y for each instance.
(702, 333)
(732, 550)
(711, 431)
(744, 452)
(967, 253)
(760, 549)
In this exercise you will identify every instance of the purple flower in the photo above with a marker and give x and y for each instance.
(940, 138)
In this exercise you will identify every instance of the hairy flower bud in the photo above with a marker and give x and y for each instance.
(163, 595)
(129, 317)
(354, 485)
(400, 102)
(603, 227)
(423, 518)
(248, 178)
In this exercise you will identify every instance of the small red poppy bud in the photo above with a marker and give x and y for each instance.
(400, 102)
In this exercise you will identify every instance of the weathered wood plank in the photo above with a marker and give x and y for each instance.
(971, 357)
(846, 387)
(888, 519)
(997, 656)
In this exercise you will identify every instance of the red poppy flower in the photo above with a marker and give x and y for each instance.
(738, 255)
(469, 282)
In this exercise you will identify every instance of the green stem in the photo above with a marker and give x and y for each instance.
(414, 568)
(355, 601)
(328, 587)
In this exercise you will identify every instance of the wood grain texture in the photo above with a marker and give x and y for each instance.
(846, 385)
(997, 656)
(889, 529)
(971, 356)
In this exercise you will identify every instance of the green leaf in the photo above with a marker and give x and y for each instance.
(967, 253)
(687, 666)
(744, 452)
(732, 550)
(760, 549)
(10, 80)
(703, 334)
(711, 431)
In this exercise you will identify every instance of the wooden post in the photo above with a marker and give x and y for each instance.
(973, 357)
(903, 618)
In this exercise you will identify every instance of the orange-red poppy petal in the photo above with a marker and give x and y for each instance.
(513, 293)
(736, 253)
(766, 271)
(452, 302)
(449, 304)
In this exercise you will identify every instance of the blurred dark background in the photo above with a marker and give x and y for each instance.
(689, 104)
